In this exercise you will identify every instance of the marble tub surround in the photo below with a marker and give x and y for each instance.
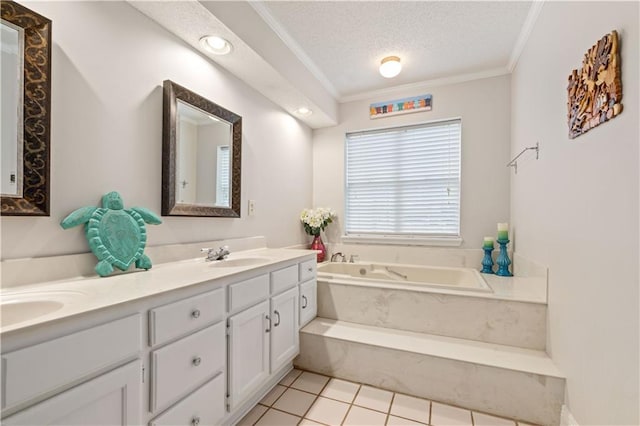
(502, 380)
(17, 272)
(507, 322)
(85, 295)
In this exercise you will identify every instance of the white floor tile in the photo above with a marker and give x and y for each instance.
(277, 418)
(327, 411)
(341, 390)
(359, 416)
(310, 382)
(480, 419)
(397, 421)
(273, 394)
(252, 416)
(411, 408)
(295, 402)
(446, 415)
(374, 398)
(289, 378)
(307, 422)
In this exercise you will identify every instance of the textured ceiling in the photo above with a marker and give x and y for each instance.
(346, 40)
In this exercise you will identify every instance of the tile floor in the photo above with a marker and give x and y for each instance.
(307, 399)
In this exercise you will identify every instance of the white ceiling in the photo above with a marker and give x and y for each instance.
(434, 39)
(319, 53)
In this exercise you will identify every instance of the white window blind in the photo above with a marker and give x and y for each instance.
(404, 181)
(223, 178)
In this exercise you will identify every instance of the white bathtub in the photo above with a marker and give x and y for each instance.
(406, 276)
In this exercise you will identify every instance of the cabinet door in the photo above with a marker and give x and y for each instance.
(308, 302)
(284, 332)
(111, 399)
(248, 352)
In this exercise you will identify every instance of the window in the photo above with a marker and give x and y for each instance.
(404, 182)
(222, 178)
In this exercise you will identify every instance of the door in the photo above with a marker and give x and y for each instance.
(284, 332)
(248, 352)
(111, 399)
(308, 301)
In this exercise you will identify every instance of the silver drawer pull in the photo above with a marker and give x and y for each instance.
(304, 299)
(278, 320)
(269, 323)
(195, 314)
(195, 421)
(196, 361)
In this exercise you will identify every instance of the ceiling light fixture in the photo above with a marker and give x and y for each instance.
(390, 66)
(304, 111)
(216, 45)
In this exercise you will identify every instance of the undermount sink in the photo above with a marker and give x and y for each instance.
(242, 261)
(16, 307)
(18, 311)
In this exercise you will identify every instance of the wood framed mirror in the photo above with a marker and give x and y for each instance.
(26, 111)
(201, 156)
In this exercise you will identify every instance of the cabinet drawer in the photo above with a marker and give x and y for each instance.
(308, 301)
(248, 293)
(184, 316)
(284, 278)
(308, 270)
(203, 407)
(43, 368)
(185, 364)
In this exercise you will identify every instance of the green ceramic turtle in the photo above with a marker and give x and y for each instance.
(117, 236)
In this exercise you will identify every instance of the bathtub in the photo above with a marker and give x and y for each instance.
(405, 276)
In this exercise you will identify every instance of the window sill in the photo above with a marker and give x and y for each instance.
(403, 241)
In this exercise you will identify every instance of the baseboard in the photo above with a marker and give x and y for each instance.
(566, 418)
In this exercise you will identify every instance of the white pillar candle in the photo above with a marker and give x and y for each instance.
(488, 242)
(503, 231)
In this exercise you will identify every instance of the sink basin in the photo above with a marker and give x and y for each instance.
(239, 262)
(22, 310)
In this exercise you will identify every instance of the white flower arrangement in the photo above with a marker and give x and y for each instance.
(315, 220)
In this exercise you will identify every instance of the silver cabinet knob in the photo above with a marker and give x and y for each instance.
(195, 313)
(310, 269)
(195, 421)
(196, 361)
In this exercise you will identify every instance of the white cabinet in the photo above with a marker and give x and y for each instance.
(248, 352)
(284, 330)
(308, 301)
(111, 399)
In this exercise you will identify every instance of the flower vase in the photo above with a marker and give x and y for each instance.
(318, 245)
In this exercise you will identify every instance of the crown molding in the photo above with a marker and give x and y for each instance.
(293, 45)
(426, 84)
(525, 32)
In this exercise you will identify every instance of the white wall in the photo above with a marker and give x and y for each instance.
(484, 108)
(576, 208)
(109, 62)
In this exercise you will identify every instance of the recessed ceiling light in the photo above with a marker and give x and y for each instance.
(390, 66)
(304, 111)
(216, 45)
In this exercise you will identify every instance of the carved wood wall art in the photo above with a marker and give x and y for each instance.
(595, 91)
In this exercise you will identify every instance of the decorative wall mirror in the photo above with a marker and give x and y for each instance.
(26, 111)
(201, 156)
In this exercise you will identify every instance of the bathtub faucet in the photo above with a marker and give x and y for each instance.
(334, 256)
(213, 254)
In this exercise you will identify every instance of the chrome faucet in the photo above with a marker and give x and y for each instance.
(334, 256)
(219, 254)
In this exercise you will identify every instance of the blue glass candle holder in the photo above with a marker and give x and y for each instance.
(503, 260)
(487, 261)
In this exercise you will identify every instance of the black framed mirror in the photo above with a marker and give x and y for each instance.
(201, 156)
(26, 111)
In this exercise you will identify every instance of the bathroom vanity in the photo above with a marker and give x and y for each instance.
(189, 342)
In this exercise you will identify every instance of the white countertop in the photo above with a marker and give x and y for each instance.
(86, 294)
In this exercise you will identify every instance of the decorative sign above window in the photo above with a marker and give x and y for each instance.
(595, 91)
(400, 106)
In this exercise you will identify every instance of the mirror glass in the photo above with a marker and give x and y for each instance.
(12, 42)
(201, 156)
(25, 109)
(203, 162)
